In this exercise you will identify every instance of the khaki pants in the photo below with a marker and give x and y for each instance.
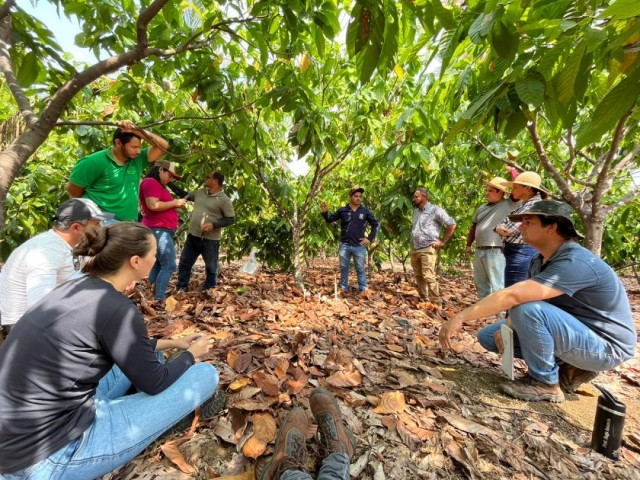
(423, 262)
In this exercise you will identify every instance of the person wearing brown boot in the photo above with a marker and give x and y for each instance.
(571, 318)
(336, 441)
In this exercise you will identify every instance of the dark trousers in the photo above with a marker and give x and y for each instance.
(518, 258)
(193, 248)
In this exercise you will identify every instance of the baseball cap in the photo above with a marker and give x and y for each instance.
(549, 208)
(79, 209)
(356, 189)
(170, 167)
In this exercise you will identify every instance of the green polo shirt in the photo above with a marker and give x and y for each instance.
(112, 186)
(209, 208)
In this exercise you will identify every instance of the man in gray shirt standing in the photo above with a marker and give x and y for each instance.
(428, 221)
(489, 261)
(212, 211)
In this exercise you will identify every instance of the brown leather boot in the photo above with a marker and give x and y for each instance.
(572, 377)
(335, 437)
(291, 448)
(531, 390)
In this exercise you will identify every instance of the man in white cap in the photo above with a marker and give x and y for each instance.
(489, 261)
(45, 261)
(571, 318)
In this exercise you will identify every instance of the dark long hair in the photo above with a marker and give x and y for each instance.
(155, 173)
(110, 247)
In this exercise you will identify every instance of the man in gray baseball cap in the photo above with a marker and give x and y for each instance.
(45, 261)
(571, 318)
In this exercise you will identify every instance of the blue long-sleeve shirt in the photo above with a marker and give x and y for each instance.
(353, 223)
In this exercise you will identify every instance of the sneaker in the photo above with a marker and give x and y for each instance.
(531, 390)
(291, 448)
(335, 437)
(208, 410)
(572, 377)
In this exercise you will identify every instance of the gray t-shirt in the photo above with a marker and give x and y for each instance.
(487, 217)
(427, 224)
(593, 294)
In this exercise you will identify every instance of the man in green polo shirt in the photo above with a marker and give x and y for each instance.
(111, 177)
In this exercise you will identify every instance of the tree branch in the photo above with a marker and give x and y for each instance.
(601, 183)
(506, 161)
(5, 8)
(70, 123)
(6, 31)
(564, 187)
(628, 158)
(627, 199)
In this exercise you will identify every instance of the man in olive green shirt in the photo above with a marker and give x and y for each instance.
(111, 177)
(212, 212)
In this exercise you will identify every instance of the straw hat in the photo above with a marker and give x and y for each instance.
(496, 182)
(529, 179)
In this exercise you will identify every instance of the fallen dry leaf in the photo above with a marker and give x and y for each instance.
(267, 383)
(171, 451)
(170, 304)
(391, 402)
(264, 431)
(345, 379)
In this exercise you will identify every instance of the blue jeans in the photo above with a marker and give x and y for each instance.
(193, 248)
(334, 467)
(359, 255)
(518, 258)
(488, 271)
(124, 425)
(545, 334)
(165, 261)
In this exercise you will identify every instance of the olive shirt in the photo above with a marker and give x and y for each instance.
(112, 186)
(215, 208)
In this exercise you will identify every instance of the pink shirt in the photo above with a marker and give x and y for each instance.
(164, 219)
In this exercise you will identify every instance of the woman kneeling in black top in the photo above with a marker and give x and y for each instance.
(69, 362)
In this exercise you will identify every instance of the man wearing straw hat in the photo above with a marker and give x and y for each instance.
(489, 262)
(571, 318)
(527, 189)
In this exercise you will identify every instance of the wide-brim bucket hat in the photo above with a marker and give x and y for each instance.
(528, 179)
(496, 182)
(549, 208)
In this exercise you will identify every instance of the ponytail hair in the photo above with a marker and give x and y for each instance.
(113, 246)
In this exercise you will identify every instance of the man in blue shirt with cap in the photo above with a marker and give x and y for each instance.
(354, 218)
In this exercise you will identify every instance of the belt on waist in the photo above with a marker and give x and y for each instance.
(487, 248)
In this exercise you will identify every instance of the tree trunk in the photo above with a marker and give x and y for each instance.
(297, 232)
(298, 255)
(12, 158)
(593, 233)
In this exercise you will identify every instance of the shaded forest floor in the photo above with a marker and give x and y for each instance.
(417, 411)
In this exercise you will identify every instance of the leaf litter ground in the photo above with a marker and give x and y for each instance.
(417, 411)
